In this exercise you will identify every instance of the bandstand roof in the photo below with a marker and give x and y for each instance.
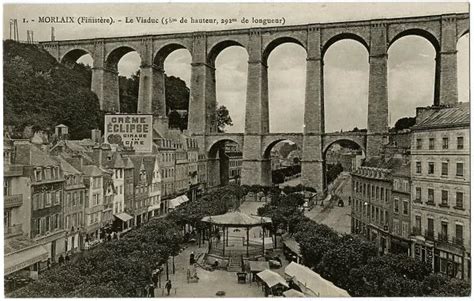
(237, 219)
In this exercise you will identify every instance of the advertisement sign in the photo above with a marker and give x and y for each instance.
(134, 130)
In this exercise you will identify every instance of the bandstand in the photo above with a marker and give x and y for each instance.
(241, 245)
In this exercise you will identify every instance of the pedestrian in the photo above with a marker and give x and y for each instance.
(61, 259)
(67, 257)
(191, 258)
(168, 286)
(48, 264)
(154, 277)
(151, 290)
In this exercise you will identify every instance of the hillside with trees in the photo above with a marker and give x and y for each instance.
(42, 93)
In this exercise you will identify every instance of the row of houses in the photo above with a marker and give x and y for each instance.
(67, 196)
(416, 200)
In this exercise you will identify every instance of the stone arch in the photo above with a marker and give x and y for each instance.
(417, 32)
(277, 42)
(268, 148)
(463, 33)
(72, 55)
(161, 54)
(215, 145)
(217, 48)
(344, 36)
(114, 56)
(327, 145)
(218, 162)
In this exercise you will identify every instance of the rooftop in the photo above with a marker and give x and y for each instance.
(439, 117)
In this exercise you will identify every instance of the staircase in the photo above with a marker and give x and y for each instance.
(234, 264)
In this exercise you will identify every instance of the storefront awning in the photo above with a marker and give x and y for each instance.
(178, 201)
(24, 258)
(123, 216)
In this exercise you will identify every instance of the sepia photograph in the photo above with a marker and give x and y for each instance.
(242, 150)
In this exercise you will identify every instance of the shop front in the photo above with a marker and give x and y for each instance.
(22, 262)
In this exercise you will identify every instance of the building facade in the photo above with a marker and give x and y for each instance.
(371, 205)
(440, 189)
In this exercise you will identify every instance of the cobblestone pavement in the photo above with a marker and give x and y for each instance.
(209, 282)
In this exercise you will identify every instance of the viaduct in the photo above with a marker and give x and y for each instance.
(442, 31)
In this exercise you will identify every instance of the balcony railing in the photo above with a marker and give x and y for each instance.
(459, 241)
(429, 234)
(13, 230)
(12, 201)
(416, 231)
(443, 237)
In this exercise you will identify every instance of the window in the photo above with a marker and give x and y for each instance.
(48, 223)
(419, 143)
(395, 207)
(445, 142)
(405, 207)
(431, 143)
(459, 200)
(57, 200)
(431, 168)
(444, 230)
(444, 168)
(444, 197)
(418, 222)
(459, 169)
(430, 195)
(430, 224)
(6, 186)
(396, 226)
(459, 234)
(460, 142)
(56, 221)
(41, 200)
(38, 174)
(418, 167)
(68, 221)
(405, 229)
(418, 194)
(48, 199)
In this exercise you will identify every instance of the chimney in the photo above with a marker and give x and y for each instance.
(96, 135)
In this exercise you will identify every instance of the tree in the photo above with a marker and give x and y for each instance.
(333, 172)
(42, 93)
(222, 118)
(404, 123)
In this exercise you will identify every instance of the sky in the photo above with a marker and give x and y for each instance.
(346, 69)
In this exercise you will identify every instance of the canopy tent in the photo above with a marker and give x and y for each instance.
(292, 293)
(178, 201)
(258, 266)
(293, 246)
(237, 219)
(311, 283)
(271, 278)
